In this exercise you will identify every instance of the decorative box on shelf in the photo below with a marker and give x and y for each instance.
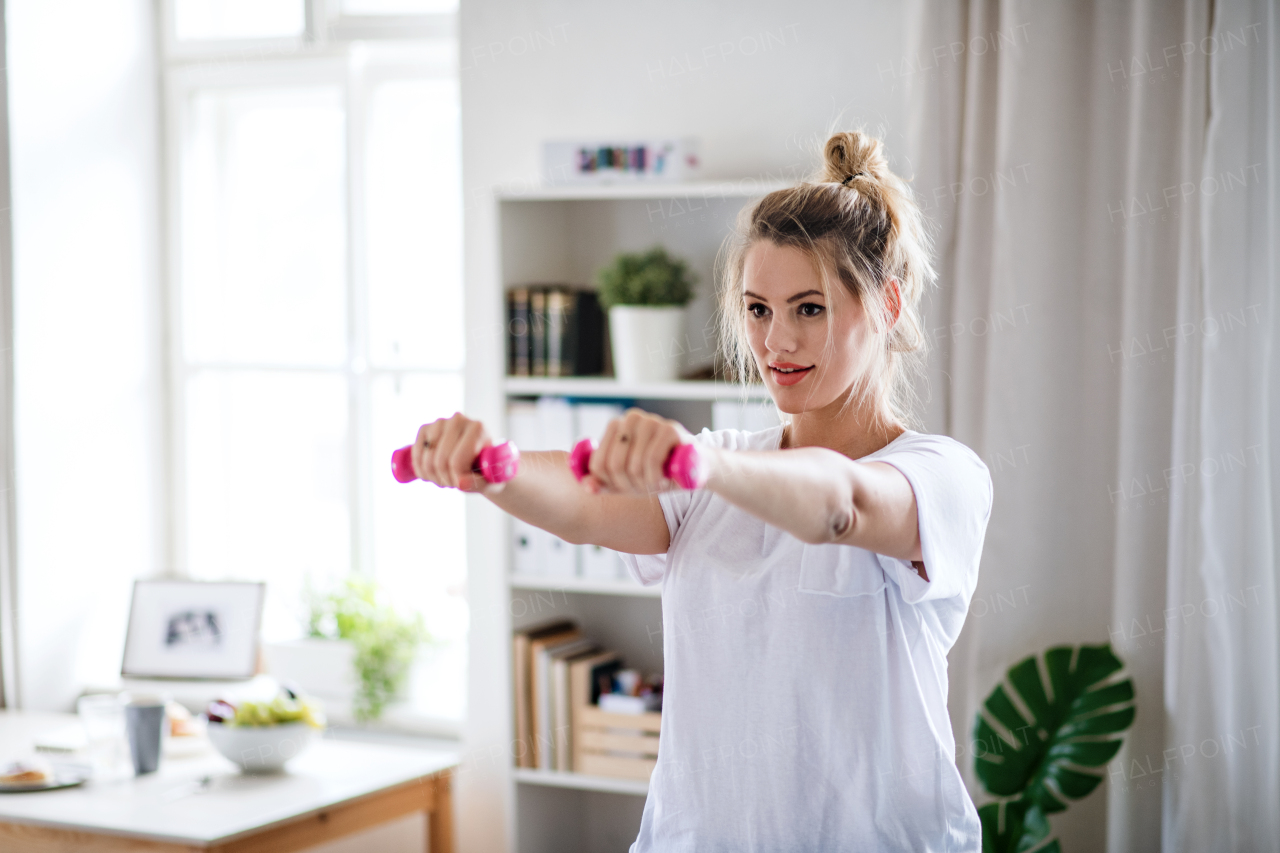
(618, 745)
(615, 161)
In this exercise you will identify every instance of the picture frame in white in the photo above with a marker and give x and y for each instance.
(193, 629)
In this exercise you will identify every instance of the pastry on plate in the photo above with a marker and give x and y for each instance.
(181, 723)
(24, 773)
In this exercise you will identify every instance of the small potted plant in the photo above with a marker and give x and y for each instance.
(646, 294)
(357, 649)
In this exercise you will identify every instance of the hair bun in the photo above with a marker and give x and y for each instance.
(847, 154)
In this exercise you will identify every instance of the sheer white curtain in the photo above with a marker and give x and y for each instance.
(8, 516)
(1103, 178)
(1222, 688)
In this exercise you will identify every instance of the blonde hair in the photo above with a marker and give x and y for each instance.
(858, 218)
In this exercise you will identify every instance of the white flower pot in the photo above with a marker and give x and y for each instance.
(321, 668)
(648, 342)
(326, 670)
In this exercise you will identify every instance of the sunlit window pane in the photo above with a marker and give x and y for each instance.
(397, 7)
(238, 19)
(267, 483)
(263, 248)
(420, 536)
(414, 225)
(419, 541)
(281, 333)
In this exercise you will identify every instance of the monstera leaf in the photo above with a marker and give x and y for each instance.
(1052, 736)
(1015, 827)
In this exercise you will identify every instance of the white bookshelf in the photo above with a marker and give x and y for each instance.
(585, 585)
(564, 234)
(737, 189)
(604, 388)
(581, 781)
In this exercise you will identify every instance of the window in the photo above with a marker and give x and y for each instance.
(196, 20)
(316, 304)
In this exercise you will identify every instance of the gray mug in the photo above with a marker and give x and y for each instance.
(143, 722)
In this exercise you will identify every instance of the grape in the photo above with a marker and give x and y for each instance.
(220, 711)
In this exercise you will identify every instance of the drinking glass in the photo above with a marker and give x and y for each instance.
(102, 716)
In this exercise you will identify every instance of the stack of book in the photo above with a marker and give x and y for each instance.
(561, 680)
(554, 331)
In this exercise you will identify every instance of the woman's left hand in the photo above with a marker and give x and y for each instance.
(630, 457)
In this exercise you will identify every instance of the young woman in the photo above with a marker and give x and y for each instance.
(811, 591)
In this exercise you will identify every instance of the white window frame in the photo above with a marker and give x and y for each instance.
(324, 25)
(334, 51)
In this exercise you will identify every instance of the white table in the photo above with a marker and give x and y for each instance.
(333, 789)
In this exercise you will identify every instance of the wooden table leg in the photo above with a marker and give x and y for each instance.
(440, 813)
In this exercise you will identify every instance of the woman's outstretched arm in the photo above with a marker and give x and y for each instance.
(818, 495)
(822, 497)
(544, 493)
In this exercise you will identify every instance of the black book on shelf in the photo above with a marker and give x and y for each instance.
(538, 331)
(553, 330)
(519, 341)
(586, 344)
(560, 323)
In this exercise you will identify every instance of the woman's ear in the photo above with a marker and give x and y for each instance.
(894, 301)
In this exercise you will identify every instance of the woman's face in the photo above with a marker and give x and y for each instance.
(789, 323)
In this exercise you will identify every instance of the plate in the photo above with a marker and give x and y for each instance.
(61, 779)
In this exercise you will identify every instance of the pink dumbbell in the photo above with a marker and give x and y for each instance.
(497, 463)
(684, 466)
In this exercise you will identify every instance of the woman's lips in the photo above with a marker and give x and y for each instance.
(785, 373)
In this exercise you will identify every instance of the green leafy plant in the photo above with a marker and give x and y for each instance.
(1039, 761)
(385, 642)
(649, 278)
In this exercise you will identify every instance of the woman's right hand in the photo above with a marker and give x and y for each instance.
(631, 455)
(445, 450)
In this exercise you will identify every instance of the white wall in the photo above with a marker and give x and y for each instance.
(86, 228)
(761, 83)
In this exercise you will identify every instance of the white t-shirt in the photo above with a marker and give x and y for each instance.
(805, 699)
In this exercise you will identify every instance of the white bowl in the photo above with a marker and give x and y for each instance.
(261, 749)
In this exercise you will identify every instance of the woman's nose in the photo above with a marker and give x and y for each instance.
(782, 337)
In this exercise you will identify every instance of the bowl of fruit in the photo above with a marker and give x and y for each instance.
(260, 737)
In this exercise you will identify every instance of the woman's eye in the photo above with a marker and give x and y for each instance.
(811, 309)
(757, 309)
